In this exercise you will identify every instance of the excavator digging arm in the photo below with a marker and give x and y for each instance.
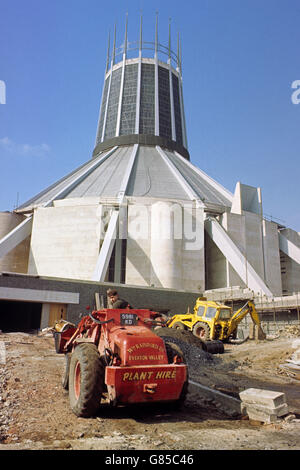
(238, 316)
(249, 307)
(253, 313)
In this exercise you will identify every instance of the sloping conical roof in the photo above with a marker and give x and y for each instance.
(155, 173)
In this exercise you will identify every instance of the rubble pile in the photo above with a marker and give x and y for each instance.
(290, 331)
(4, 403)
(292, 365)
(192, 348)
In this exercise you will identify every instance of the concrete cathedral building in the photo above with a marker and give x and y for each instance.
(139, 212)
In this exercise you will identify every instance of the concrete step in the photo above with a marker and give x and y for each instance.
(280, 410)
(259, 415)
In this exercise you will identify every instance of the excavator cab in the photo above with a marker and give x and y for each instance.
(211, 320)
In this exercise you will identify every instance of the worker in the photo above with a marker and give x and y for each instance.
(109, 299)
(114, 301)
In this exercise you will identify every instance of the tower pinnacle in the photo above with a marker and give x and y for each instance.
(142, 98)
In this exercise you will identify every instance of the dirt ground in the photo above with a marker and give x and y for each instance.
(35, 412)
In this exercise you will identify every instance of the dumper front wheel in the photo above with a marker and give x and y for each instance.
(86, 380)
(65, 373)
(174, 350)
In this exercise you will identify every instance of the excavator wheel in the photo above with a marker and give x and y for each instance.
(178, 326)
(201, 330)
(86, 380)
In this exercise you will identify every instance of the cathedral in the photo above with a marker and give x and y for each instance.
(138, 212)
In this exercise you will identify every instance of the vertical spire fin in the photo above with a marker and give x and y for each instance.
(108, 53)
(169, 45)
(126, 35)
(141, 33)
(114, 46)
(178, 60)
(180, 57)
(156, 35)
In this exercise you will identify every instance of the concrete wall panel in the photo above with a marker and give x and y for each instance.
(65, 242)
(17, 259)
(272, 257)
(290, 270)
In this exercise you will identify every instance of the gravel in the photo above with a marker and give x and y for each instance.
(4, 403)
(195, 357)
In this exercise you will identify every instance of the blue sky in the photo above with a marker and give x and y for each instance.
(240, 58)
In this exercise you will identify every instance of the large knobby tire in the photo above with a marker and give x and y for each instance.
(172, 351)
(86, 380)
(66, 370)
(201, 330)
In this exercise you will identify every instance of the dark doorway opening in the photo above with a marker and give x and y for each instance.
(20, 316)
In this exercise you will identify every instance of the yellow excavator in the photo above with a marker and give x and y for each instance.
(215, 321)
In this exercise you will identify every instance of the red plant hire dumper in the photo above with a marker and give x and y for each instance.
(113, 356)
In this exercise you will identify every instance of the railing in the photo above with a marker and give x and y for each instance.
(150, 46)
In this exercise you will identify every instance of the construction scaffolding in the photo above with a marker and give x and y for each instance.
(275, 312)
